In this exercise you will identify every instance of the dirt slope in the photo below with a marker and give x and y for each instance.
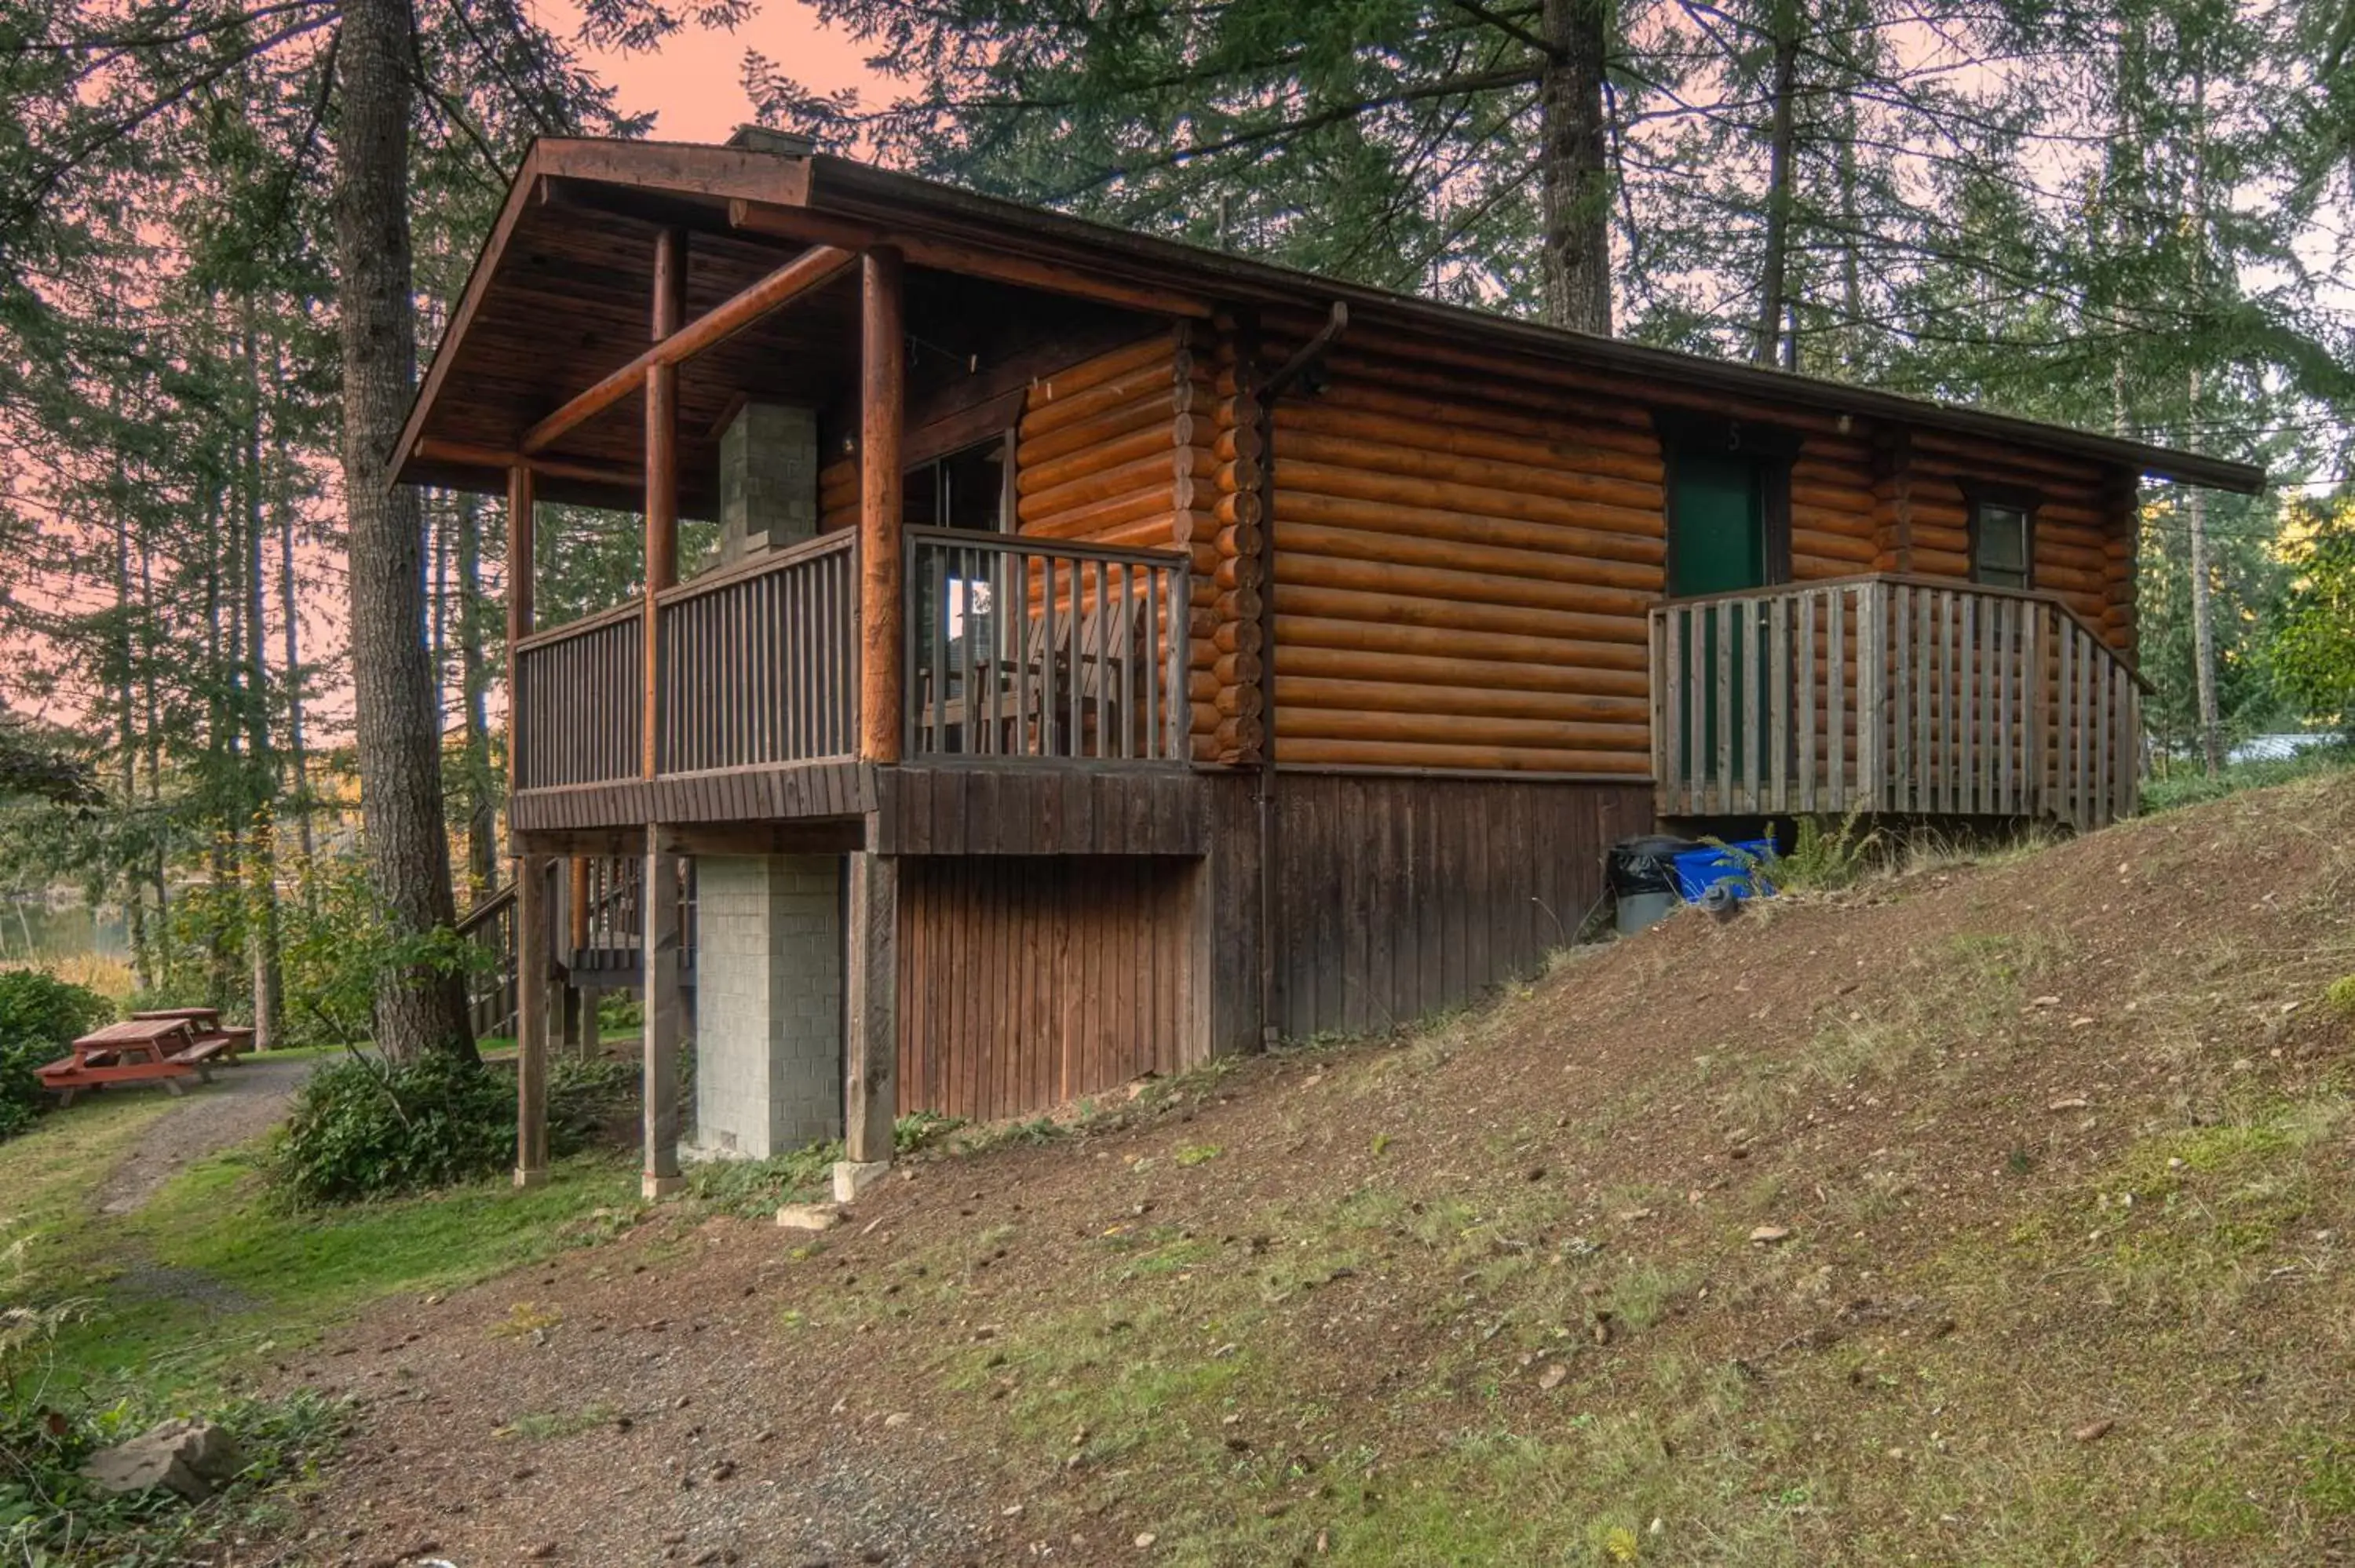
(1995, 1214)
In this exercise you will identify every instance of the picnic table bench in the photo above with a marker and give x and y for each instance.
(136, 1051)
(215, 1038)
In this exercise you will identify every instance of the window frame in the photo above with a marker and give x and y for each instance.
(1979, 495)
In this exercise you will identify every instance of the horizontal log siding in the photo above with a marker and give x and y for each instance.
(1118, 450)
(1397, 897)
(1029, 980)
(1463, 563)
(2084, 533)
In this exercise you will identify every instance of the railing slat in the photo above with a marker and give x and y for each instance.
(1082, 654)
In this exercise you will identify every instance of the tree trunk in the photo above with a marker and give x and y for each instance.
(1574, 174)
(296, 785)
(420, 1009)
(260, 772)
(126, 653)
(474, 674)
(1773, 272)
(2204, 628)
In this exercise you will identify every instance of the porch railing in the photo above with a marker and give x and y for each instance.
(1022, 648)
(577, 702)
(1891, 694)
(760, 663)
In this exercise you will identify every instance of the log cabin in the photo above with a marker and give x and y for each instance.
(1120, 652)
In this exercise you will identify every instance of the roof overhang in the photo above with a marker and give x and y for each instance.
(742, 196)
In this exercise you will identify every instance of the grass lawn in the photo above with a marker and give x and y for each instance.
(176, 1298)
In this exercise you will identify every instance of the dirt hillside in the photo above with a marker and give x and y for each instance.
(1994, 1213)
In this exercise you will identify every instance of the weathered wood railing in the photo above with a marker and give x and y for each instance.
(490, 927)
(760, 662)
(577, 702)
(1020, 648)
(1889, 694)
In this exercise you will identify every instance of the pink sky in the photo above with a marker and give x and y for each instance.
(691, 82)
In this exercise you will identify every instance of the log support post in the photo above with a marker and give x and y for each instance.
(658, 899)
(882, 383)
(666, 1018)
(531, 918)
(662, 484)
(531, 1020)
(872, 1051)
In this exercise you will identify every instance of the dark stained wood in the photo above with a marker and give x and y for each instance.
(1028, 981)
(1040, 810)
(870, 1044)
(519, 588)
(662, 486)
(799, 223)
(801, 276)
(1400, 896)
(532, 971)
(882, 412)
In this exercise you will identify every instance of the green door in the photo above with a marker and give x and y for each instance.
(1717, 543)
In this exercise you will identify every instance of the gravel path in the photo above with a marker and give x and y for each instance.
(243, 1102)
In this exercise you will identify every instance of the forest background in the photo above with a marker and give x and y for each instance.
(250, 699)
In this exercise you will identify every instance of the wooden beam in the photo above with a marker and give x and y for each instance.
(966, 258)
(467, 454)
(658, 942)
(872, 1055)
(883, 387)
(531, 1020)
(662, 483)
(675, 345)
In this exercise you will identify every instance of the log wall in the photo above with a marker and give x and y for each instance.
(1466, 543)
(1396, 897)
(1025, 981)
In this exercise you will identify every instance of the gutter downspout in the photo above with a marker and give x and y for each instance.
(1292, 371)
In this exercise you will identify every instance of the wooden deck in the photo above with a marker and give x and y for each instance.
(1891, 694)
(1033, 661)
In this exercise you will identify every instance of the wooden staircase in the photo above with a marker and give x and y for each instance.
(593, 936)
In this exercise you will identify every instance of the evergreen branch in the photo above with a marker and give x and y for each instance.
(1333, 116)
(1505, 24)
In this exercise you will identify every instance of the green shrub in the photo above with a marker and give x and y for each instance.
(1825, 858)
(365, 1128)
(39, 1017)
(361, 1128)
(37, 1005)
(583, 1095)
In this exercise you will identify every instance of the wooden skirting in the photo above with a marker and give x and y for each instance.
(1039, 810)
(1029, 980)
(841, 788)
(1397, 897)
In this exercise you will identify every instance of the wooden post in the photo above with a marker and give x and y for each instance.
(580, 1002)
(662, 480)
(531, 925)
(531, 1020)
(871, 1054)
(883, 397)
(519, 555)
(658, 902)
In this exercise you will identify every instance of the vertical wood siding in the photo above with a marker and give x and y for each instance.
(1029, 980)
(1399, 896)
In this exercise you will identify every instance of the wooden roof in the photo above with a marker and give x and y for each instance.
(560, 296)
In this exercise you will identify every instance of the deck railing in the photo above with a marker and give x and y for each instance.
(760, 662)
(1027, 649)
(577, 702)
(1889, 694)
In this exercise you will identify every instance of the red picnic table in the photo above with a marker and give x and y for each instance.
(205, 1025)
(136, 1051)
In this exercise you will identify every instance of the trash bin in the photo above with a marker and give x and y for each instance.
(1641, 874)
(1739, 868)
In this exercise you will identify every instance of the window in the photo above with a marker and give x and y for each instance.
(2002, 553)
(965, 489)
